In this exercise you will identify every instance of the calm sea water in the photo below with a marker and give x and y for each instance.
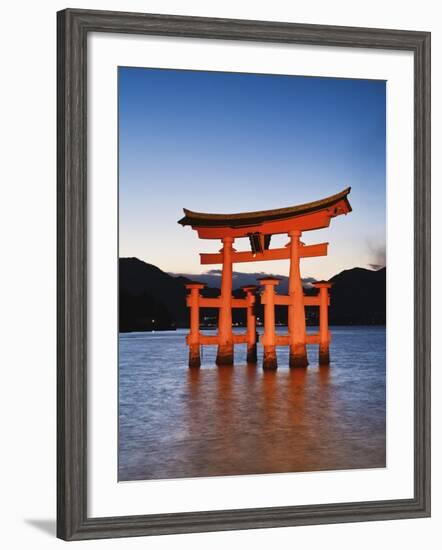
(178, 422)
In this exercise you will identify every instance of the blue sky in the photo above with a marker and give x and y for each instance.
(229, 142)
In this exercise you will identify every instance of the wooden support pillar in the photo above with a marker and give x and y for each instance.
(269, 337)
(193, 339)
(296, 313)
(225, 334)
(324, 335)
(250, 290)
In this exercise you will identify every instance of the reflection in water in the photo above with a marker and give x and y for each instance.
(180, 422)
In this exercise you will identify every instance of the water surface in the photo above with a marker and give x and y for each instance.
(178, 422)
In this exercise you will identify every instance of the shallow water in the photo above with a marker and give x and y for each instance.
(178, 422)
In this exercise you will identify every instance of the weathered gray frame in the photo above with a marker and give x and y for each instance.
(73, 28)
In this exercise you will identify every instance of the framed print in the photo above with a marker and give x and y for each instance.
(243, 274)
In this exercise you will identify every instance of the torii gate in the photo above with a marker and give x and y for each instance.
(259, 227)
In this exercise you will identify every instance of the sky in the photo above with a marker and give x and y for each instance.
(231, 142)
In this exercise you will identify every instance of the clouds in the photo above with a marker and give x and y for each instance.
(212, 278)
(378, 255)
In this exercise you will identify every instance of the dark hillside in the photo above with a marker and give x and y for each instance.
(151, 299)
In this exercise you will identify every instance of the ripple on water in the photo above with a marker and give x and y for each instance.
(178, 422)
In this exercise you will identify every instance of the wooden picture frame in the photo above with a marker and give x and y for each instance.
(74, 25)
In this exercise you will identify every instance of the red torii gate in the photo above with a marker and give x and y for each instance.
(259, 227)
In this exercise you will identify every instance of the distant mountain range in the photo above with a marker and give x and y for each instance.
(358, 297)
(151, 299)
